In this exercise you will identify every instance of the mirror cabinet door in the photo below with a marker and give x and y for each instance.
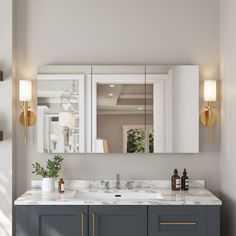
(118, 113)
(60, 109)
(172, 107)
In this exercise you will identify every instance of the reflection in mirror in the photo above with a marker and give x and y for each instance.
(174, 109)
(121, 119)
(129, 109)
(60, 121)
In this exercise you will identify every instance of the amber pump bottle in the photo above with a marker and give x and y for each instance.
(185, 181)
(61, 185)
(175, 181)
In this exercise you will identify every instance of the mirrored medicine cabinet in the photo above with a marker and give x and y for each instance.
(118, 109)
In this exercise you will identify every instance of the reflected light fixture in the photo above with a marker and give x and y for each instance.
(208, 115)
(27, 116)
(66, 119)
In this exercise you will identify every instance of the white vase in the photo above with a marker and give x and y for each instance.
(48, 185)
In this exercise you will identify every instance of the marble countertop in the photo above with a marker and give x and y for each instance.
(78, 195)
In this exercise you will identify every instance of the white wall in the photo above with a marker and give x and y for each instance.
(119, 32)
(6, 156)
(228, 130)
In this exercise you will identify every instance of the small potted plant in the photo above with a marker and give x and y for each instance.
(49, 173)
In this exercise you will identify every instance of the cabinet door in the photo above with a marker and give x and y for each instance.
(118, 220)
(58, 221)
(178, 221)
(22, 221)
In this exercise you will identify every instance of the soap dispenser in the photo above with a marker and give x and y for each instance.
(175, 181)
(185, 181)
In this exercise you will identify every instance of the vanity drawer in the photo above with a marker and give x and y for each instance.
(178, 221)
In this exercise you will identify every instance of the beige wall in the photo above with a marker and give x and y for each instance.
(119, 32)
(228, 130)
(6, 154)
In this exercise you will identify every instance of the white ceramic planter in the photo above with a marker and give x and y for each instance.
(48, 185)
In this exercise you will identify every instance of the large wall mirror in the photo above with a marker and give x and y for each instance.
(129, 109)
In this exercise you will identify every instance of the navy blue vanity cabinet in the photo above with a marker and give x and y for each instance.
(183, 221)
(118, 220)
(51, 221)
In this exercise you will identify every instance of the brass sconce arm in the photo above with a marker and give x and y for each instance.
(27, 118)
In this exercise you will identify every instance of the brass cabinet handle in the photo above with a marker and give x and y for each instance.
(178, 223)
(82, 223)
(93, 224)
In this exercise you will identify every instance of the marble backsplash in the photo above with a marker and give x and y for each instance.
(99, 184)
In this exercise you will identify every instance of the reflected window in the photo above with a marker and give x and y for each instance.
(138, 139)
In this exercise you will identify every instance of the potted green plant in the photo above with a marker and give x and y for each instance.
(49, 173)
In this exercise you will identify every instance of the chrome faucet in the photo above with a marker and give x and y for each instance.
(117, 181)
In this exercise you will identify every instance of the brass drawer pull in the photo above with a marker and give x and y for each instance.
(82, 223)
(93, 224)
(178, 223)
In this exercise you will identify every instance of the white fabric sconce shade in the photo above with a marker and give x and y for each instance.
(66, 119)
(25, 90)
(210, 90)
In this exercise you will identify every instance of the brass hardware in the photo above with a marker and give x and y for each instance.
(208, 118)
(93, 224)
(30, 120)
(82, 223)
(178, 223)
(27, 118)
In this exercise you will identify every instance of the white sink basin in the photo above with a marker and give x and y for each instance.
(122, 194)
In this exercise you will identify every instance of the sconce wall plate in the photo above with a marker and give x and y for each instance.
(206, 119)
(31, 118)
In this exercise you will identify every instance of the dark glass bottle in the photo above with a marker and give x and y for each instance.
(175, 181)
(61, 185)
(185, 181)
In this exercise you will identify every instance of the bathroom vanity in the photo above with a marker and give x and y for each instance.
(145, 210)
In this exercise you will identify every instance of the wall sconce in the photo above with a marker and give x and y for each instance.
(208, 115)
(27, 117)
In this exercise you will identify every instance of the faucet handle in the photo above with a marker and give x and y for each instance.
(106, 183)
(130, 185)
